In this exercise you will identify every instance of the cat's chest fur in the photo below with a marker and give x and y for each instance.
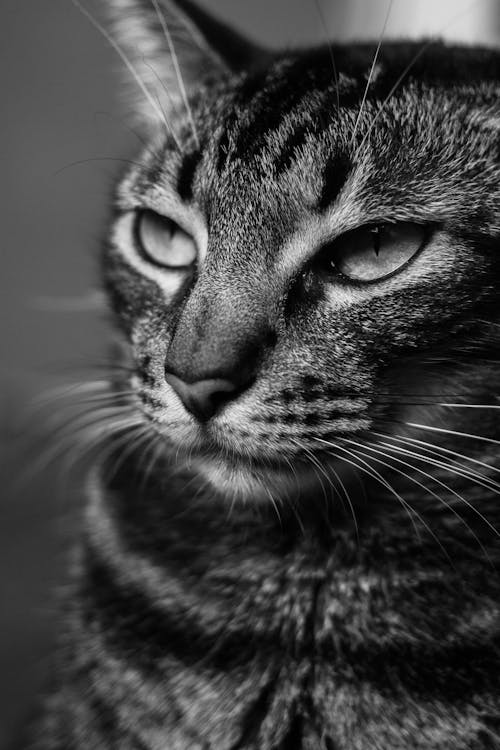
(197, 629)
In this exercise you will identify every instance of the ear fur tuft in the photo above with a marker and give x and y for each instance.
(173, 47)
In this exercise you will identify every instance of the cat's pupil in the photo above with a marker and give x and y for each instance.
(376, 236)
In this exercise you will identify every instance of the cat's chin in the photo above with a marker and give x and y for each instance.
(262, 483)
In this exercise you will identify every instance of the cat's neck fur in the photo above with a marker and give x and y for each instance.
(188, 612)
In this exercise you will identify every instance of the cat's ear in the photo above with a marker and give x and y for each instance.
(174, 45)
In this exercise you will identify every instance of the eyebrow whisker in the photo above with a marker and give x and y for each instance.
(119, 51)
(177, 69)
(372, 69)
(330, 50)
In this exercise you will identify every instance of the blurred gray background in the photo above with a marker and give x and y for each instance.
(63, 132)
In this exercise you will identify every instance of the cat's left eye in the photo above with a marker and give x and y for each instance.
(162, 242)
(376, 252)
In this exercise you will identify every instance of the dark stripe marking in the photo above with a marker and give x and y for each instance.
(294, 736)
(136, 627)
(246, 93)
(266, 99)
(274, 105)
(255, 716)
(335, 174)
(186, 175)
(143, 634)
(302, 79)
(295, 140)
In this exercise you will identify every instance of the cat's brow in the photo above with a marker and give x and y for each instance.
(162, 198)
(186, 174)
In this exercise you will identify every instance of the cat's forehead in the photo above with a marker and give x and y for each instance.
(285, 139)
(317, 87)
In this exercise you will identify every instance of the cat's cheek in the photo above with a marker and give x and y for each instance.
(131, 296)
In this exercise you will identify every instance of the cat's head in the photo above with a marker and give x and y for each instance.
(307, 248)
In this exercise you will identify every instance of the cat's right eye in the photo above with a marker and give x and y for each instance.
(373, 253)
(161, 241)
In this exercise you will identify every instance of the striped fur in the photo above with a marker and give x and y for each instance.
(223, 597)
(192, 629)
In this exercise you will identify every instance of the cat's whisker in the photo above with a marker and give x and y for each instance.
(92, 446)
(165, 117)
(296, 478)
(69, 389)
(126, 446)
(126, 61)
(298, 518)
(346, 495)
(372, 70)
(177, 69)
(177, 451)
(390, 94)
(349, 502)
(489, 323)
(371, 471)
(435, 449)
(108, 366)
(72, 428)
(469, 474)
(312, 458)
(330, 51)
(153, 449)
(455, 433)
(142, 450)
(81, 418)
(391, 467)
(318, 475)
(92, 159)
(274, 502)
(471, 406)
(163, 86)
(72, 413)
(407, 69)
(63, 440)
(145, 145)
(115, 444)
(91, 434)
(433, 478)
(95, 443)
(318, 468)
(111, 399)
(456, 494)
(231, 508)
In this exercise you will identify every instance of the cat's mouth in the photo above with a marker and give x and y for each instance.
(261, 466)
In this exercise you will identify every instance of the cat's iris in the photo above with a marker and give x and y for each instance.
(375, 252)
(163, 242)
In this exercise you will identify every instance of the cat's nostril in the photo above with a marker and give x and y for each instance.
(202, 398)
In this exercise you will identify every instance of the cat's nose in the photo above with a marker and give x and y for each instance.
(202, 398)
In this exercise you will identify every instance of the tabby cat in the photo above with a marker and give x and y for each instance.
(292, 532)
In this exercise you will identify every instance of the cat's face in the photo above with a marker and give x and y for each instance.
(294, 266)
